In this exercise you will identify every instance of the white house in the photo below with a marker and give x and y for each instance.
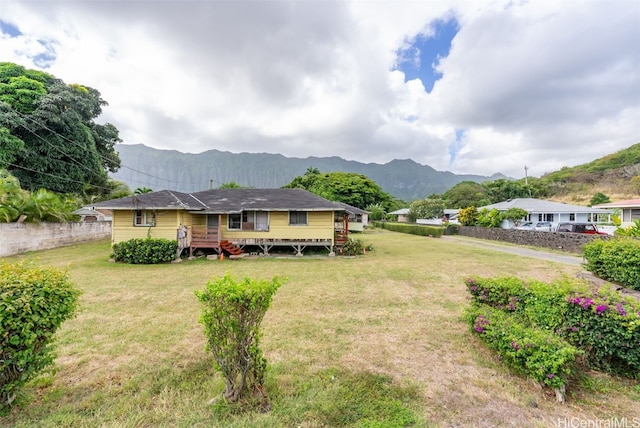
(554, 212)
(630, 210)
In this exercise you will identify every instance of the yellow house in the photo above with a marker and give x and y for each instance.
(231, 220)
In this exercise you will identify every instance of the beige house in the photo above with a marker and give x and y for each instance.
(630, 209)
(231, 220)
(402, 213)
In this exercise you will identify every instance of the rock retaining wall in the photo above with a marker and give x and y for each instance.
(569, 242)
(16, 238)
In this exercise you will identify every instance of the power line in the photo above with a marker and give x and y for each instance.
(54, 176)
(104, 158)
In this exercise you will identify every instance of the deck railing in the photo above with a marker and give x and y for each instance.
(202, 236)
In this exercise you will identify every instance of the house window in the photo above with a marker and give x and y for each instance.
(144, 218)
(572, 217)
(297, 218)
(262, 221)
(548, 217)
(234, 221)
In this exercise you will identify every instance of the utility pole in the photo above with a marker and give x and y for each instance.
(526, 179)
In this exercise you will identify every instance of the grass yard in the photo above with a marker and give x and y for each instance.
(369, 341)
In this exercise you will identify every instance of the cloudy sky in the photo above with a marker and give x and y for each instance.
(464, 86)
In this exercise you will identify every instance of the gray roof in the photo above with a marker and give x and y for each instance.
(225, 201)
(401, 211)
(351, 209)
(533, 205)
(87, 211)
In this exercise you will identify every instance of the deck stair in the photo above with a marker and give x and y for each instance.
(341, 238)
(231, 248)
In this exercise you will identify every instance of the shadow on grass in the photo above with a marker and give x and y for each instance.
(334, 397)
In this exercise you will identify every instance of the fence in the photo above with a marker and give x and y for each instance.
(569, 242)
(17, 238)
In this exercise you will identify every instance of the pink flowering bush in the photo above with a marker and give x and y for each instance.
(608, 325)
(599, 321)
(536, 353)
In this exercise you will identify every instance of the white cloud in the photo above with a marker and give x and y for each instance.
(546, 84)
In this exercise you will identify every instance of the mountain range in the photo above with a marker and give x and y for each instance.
(144, 166)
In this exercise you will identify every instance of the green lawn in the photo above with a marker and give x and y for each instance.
(371, 341)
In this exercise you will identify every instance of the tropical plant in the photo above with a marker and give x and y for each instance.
(142, 190)
(12, 197)
(489, 218)
(41, 205)
(376, 212)
(468, 216)
(631, 231)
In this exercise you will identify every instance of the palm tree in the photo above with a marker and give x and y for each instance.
(141, 190)
(12, 197)
(312, 170)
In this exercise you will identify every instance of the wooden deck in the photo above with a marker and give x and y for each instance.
(201, 237)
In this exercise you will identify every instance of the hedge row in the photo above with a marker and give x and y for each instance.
(616, 260)
(414, 229)
(597, 320)
(145, 251)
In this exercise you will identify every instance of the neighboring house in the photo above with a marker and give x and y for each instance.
(402, 213)
(89, 214)
(554, 212)
(231, 219)
(450, 215)
(358, 219)
(630, 210)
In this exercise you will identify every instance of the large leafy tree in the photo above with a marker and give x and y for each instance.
(350, 188)
(48, 135)
(466, 194)
(429, 208)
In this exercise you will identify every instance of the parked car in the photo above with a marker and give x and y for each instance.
(527, 225)
(588, 228)
(541, 226)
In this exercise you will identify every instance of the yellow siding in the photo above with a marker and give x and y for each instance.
(167, 223)
(320, 226)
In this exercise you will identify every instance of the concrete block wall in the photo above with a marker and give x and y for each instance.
(569, 242)
(17, 238)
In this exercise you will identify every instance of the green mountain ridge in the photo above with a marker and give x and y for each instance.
(170, 169)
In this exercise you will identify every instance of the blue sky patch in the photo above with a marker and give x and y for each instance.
(48, 57)
(418, 60)
(456, 146)
(9, 29)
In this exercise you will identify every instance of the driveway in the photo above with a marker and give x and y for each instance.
(515, 249)
(539, 254)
